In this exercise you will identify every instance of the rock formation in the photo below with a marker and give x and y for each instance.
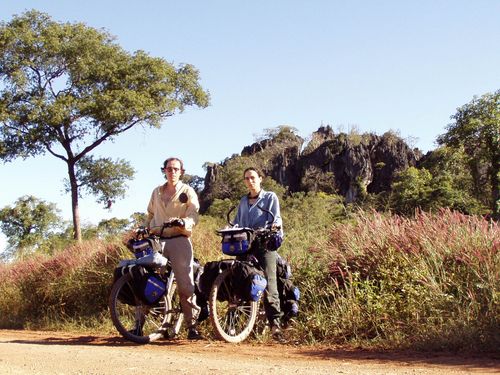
(350, 165)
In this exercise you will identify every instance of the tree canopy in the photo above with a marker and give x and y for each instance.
(67, 88)
(27, 224)
(476, 128)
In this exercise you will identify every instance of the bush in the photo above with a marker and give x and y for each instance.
(431, 282)
(47, 291)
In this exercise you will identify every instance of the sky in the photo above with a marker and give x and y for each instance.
(373, 66)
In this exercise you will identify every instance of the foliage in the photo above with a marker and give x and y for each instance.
(228, 176)
(27, 224)
(419, 189)
(430, 282)
(196, 182)
(112, 227)
(103, 178)
(48, 292)
(138, 219)
(220, 207)
(476, 128)
(280, 134)
(229, 182)
(411, 190)
(314, 179)
(67, 88)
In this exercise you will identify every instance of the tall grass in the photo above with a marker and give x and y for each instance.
(429, 282)
(70, 287)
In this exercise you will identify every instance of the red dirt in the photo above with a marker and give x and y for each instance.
(33, 352)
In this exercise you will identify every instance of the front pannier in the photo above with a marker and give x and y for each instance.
(145, 287)
(249, 283)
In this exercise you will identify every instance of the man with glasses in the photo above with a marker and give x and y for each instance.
(177, 202)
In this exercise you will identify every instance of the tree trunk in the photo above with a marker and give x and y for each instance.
(77, 231)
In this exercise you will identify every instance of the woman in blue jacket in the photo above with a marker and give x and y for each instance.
(250, 215)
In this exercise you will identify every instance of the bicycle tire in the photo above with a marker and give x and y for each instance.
(232, 318)
(174, 315)
(139, 323)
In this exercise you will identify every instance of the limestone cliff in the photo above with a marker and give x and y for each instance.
(347, 164)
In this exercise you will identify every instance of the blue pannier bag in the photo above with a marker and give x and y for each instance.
(258, 285)
(154, 289)
(145, 286)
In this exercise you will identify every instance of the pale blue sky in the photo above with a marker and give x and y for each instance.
(376, 65)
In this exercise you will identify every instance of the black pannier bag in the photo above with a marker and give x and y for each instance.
(210, 271)
(283, 269)
(146, 287)
(249, 283)
(288, 292)
(201, 299)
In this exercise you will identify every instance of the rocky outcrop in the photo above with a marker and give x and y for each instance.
(351, 165)
(360, 164)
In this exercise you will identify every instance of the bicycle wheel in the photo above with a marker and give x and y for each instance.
(139, 323)
(232, 318)
(174, 315)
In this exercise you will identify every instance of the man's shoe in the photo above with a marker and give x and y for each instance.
(193, 334)
(277, 333)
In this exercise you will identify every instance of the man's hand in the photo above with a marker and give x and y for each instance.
(177, 222)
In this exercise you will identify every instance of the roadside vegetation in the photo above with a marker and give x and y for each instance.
(428, 282)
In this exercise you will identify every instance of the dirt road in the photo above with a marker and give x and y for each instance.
(29, 352)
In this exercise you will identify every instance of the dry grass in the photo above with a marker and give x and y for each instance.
(429, 282)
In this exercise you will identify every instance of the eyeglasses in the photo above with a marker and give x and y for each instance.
(172, 169)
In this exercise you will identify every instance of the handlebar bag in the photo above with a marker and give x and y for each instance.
(236, 241)
(144, 247)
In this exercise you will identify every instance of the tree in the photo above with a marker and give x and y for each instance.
(411, 190)
(196, 182)
(138, 219)
(452, 179)
(67, 88)
(112, 227)
(420, 189)
(27, 224)
(102, 178)
(476, 128)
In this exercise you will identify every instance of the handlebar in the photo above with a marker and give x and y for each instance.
(143, 232)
